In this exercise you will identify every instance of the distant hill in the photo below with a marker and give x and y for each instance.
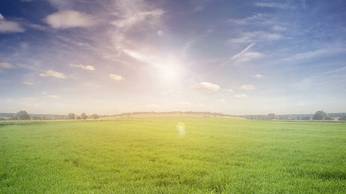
(34, 116)
(334, 116)
(271, 116)
(167, 114)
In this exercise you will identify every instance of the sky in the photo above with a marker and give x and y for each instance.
(229, 56)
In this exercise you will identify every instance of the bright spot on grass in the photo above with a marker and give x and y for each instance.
(181, 129)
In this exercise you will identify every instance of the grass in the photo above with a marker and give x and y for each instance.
(148, 155)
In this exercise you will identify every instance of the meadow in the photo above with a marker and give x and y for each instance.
(173, 155)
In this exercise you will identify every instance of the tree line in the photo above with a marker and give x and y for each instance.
(24, 115)
(83, 116)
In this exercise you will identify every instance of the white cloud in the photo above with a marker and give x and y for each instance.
(244, 56)
(69, 19)
(240, 96)
(279, 28)
(238, 55)
(160, 33)
(61, 4)
(248, 37)
(135, 18)
(137, 55)
(249, 56)
(84, 67)
(314, 54)
(152, 106)
(200, 5)
(257, 19)
(259, 76)
(207, 86)
(276, 5)
(51, 73)
(50, 95)
(247, 87)
(28, 83)
(53, 96)
(4, 66)
(7, 26)
(116, 77)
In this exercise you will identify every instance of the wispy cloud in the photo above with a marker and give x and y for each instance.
(137, 55)
(5, 65)
(314, 54)
(259, 76)
(54, 74)
(249, 56)
(244, 56)
(229, 90)
(247, 87)
(240, 96)
(69, 19)
(28, 83)
(53, 96)
(61, 4)
(200, 5)
(45, 94)
(254, 20)
(84, 67)
(125, 18)
(116, 77)
(129, 14)
(275, 5)
(238, 55)
(136, 18)
(7, 26)
(208, 87)
(279, 28)
(248, 37)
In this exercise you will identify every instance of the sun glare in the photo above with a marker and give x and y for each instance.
(169, 72)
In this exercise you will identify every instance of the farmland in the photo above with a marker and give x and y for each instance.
(173, 155)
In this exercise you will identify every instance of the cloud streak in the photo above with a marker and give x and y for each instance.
(275, 5)
(247, 87)
(208, 87)
(248, 37)
(53, 74)
(240, 96)
(84, 67)
(7, 26)
(136, 18)
(241, 53)
(5, 66)
(116, 77)
(69, 19)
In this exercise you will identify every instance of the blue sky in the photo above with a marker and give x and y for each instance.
(111, 56)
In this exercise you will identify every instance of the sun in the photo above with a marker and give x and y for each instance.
(169, 72)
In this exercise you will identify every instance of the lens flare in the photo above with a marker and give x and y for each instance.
(181, 129)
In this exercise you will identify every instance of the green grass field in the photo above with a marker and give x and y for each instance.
(148, 155)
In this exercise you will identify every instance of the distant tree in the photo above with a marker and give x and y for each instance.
(306, 118)
(320, 115)
(78, 117)
(71, 116)
(22, 115)
(271, 116)
(83, 116)
(94, 116)
(342, 118)
(328, 118)
(36, 118)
